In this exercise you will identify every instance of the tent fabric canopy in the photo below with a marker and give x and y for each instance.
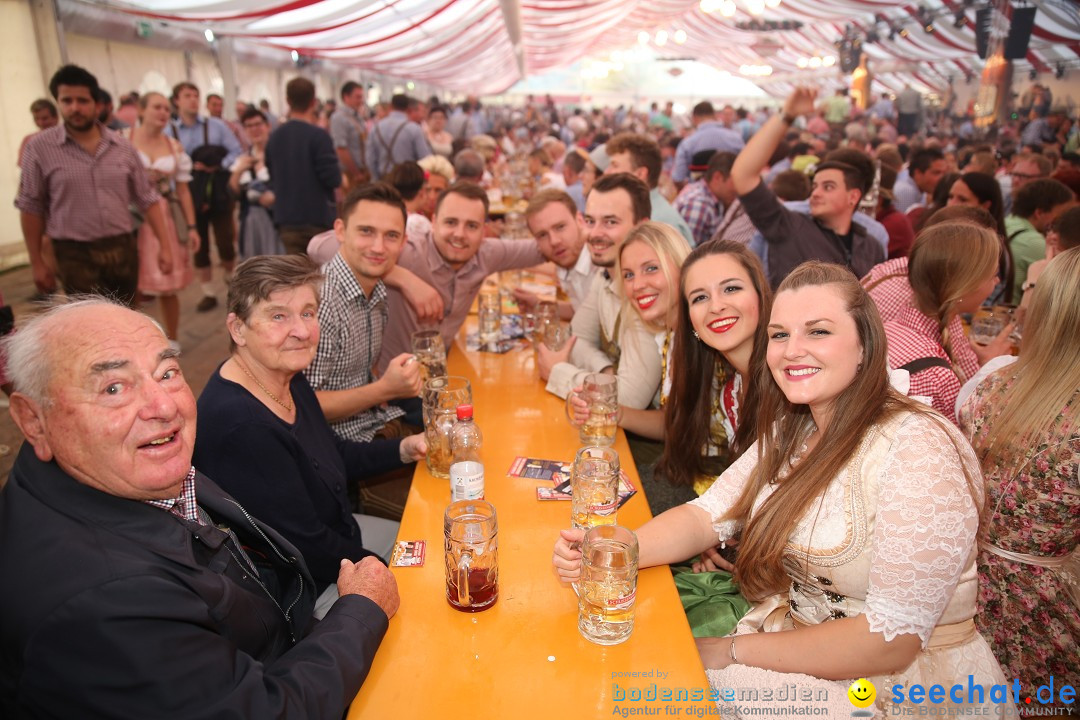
(468, 45)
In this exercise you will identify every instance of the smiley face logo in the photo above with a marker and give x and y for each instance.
(862, 693)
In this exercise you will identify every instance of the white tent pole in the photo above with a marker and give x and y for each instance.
(49, 29)
(511, 10)
(226, 59)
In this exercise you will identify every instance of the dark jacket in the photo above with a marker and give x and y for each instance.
(794, 238)
(293, 477)
(304, 172)
(112, 608)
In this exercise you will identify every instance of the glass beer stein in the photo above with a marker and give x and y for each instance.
(441, 397)
(489, 316)
(600, 392)
(546, 312)
(594, 487)
(608, 585)
(427, 346)
(471, 545)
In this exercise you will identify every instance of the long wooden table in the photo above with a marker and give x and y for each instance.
(523, 657)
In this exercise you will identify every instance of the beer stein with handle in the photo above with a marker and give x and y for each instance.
(608, 585)
(441, 398)
(600, 392)
(471, 539)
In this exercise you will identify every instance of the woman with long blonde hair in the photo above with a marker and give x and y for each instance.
(1024, 424)
(952, 269)
(648, 265)
(858, 509)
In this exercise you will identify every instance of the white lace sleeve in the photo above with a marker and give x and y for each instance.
(924, 530)
(723, 493)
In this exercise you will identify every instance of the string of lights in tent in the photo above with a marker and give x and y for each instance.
(485, 46)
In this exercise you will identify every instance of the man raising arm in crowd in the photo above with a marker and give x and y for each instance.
(829, 233)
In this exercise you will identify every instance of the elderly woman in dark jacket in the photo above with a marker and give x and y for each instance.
(263, 437)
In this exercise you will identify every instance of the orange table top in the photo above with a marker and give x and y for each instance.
(523, 657)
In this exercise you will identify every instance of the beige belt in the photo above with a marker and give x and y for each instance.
(1065, 567)
(952, 635)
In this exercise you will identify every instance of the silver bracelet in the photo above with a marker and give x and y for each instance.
(731, 652)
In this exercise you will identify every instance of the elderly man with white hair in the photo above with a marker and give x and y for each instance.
(135, 586)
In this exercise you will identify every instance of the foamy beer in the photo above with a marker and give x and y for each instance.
(600, 392)
(608, 585)
(594, 487)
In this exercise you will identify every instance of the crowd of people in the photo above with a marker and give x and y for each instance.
(793, 302)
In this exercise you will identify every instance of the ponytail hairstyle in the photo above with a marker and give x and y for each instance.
(948, 261)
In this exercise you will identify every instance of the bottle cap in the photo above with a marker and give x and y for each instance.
(464, 411)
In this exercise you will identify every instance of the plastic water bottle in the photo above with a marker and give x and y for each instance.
(466, 468)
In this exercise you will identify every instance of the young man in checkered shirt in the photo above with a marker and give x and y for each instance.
(352, 316)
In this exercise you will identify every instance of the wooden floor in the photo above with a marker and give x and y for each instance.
(203, 340)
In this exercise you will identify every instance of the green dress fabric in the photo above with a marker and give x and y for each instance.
(711, 600)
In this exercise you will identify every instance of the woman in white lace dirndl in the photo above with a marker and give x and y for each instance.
(169, 168)
(858, 510)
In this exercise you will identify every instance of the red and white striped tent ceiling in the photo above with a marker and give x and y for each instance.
(485, 46)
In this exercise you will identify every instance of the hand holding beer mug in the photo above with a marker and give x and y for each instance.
(608, 585)
(594, 408)
(427, 346)
(546, 312)
(555, 335)
(594, 487)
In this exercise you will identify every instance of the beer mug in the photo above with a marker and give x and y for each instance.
(471, 554)
(489, 313)
(608, 585)
(430, 352)
(556, 334)
(600, 392)
(441, 396)
(987, 324)
(528, 324)
(547, 312)
(594, 487)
